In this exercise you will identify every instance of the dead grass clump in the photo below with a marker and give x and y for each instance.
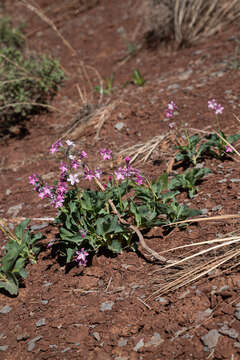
(186, 21)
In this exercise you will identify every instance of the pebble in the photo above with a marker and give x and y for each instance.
(119, 125)
(156, 340)
(122, 342)
(106, 306)
(236, 180)
(32, 343)
(96, 336)
(232, 333)
(162, 300)
(41, 322)
(210, 340)
(14, 210)
(5, 309)
(204, 211)
(39, 226)
(3, 348)
(139, 345)
(217, 207)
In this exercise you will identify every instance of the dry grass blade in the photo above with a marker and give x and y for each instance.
(144, 150)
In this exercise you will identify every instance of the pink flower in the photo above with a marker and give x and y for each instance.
(106, 154)
(81, 257)
(75, 164)
(63, 167)
(119, 174)
(127, 159)
(83, 155)
(212, 104)
(172, 106)
(98, 173)
(228, 149)
(70, 143)
(88, 174)
(55, 146)
(168, 113)
(73, 179)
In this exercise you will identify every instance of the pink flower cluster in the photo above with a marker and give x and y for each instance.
(169, 112)
(81, 257)
(212, 104)
(128, 172)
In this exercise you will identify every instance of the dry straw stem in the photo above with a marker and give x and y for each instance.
(144, 150)
(202, 18)
(193, 272)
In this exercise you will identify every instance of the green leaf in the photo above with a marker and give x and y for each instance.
(20, 229)
(10, 284)
(115, 246)
(231, 139)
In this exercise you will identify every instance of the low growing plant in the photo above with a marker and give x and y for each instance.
(109, 86)
(106, 218)
(188, 180)
(137, 78)
(27, 81)
(22, 247)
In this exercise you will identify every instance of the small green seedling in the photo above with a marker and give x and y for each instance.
(188, 180)
(137, 78)
(109, 88)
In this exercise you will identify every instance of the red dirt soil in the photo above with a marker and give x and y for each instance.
(108, 310)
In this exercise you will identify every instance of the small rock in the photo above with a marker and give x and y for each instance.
(199, 166)
(237, 314)
(3, 348)
(222, 181)
(39, 226)
(41, 322)
(225, 330)
(235, 180)
(96, 336)
(217, 207)
(8, 192)
(47, 283)
(5, 309)
(162, 300)
(44, 302)
(122, 342)
(106, 306)
(204, 211)
(139, 345)
(14, 210)
(203, 315)
(210, 339)
(119, 125)
(156, 340)
(32, 343)
(173, 86)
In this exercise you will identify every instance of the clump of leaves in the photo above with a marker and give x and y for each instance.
(109, 86)
(27, 81)
(217, 146)
(10, 36)
(105, 219)
(192, 151)
(188, 180)
(137, 78)
(21, 248)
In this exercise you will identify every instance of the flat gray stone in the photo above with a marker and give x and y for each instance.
(210, 339)
(32, 343)
(122, 342)
(119, 125)
(3, 348)
(139, 345)
(41, 322)
(106, 306)
(232, 333)
(237, 314)
(5, 309)
(96, 336)
(39, 226)
(156, 340)
(14, 210)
